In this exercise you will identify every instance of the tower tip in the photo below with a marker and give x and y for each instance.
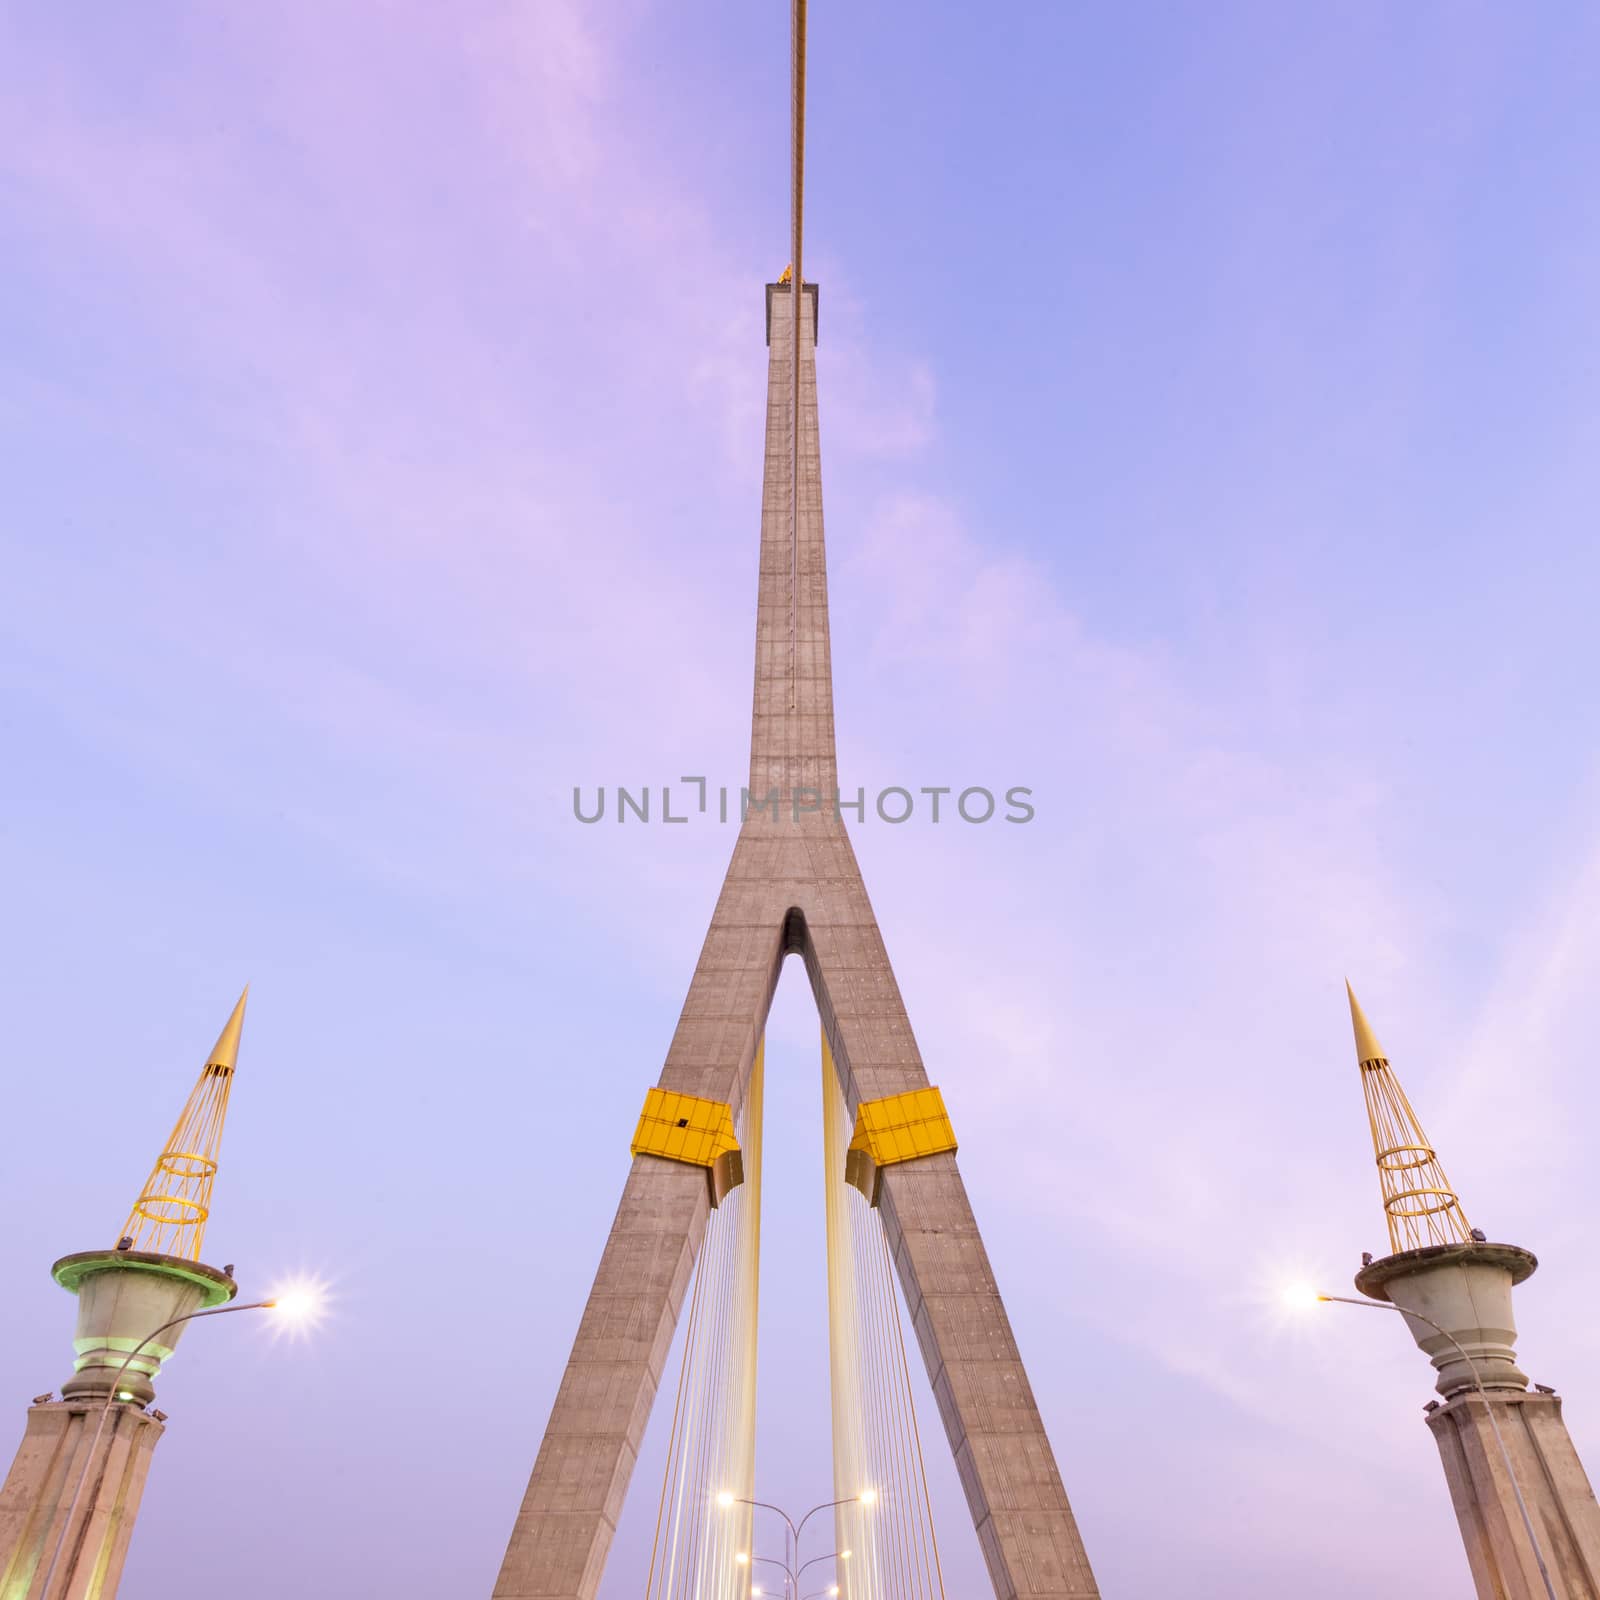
(225, 1052)
(1367, 1046)
(169, 1217)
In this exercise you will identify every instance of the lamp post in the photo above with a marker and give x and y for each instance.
(1477, 1383)
(768, 1561)
(793, 1529)
(792, 1579)
(832, 1555)
(105, 1412)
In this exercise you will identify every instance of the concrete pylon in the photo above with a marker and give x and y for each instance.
(794, 888)
(69, 1502)
(1506, 1451)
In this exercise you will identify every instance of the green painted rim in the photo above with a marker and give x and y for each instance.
(215, 1287)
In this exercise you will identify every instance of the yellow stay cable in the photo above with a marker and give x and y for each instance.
(926, 1539)
(697, 1489)
(916, 1436)
(877, 1437)
(887, 1510)
(912, 1516)
(898, 1508)
(711, 1444)
(897, 1499)
(696, 1396)
(672, 1438)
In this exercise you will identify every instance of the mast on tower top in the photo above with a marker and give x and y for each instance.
(1420, 1206)
(169, 1217)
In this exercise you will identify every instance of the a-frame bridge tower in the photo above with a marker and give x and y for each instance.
(794, 887)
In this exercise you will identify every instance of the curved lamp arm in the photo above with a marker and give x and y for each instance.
(765, 1505)
(831, 1555)
(827, 1505)
(782, 1566)
(1477, 1383)
(105, 1411)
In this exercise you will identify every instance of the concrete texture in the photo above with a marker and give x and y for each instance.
(1466, 1290)
(39, 1489)
(1553, 1482)
(793, 887)
(123, 1296)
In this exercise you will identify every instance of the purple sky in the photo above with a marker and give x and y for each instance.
(1211, 424)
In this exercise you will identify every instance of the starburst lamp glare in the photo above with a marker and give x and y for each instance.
(1453, 1285)
(151, 1276)
(299, 1304)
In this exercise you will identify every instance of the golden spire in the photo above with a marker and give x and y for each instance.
(1367, 1046)
(169, 1217)
(1418, 1201)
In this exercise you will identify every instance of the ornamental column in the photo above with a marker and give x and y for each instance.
(68, 1505)
(1454, 1288)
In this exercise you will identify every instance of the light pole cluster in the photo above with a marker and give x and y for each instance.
(791, 1566)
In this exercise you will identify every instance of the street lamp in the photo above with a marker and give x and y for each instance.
(727, 1499)
(832, 1555)
(299, 1304)
(744, 1559)
(1477, 1383)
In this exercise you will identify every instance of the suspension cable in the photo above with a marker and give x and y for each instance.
(797, 192)
(877, 1440)
(711, 1445)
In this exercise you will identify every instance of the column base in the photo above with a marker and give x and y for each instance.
(39, 1489)
(1560, 1501)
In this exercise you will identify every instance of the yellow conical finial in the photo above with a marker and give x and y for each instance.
(1367, 1046)
(1420, 1206)
(225, 1052)
(169, 1217)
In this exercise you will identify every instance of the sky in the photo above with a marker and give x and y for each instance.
(1211, 435)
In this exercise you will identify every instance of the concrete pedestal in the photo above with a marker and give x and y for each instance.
(1553, 1482)
(1456, 1299)
(123, 1297)
(54, 1453)
(66, 1454)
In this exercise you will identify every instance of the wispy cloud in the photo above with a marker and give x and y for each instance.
(423, 387)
